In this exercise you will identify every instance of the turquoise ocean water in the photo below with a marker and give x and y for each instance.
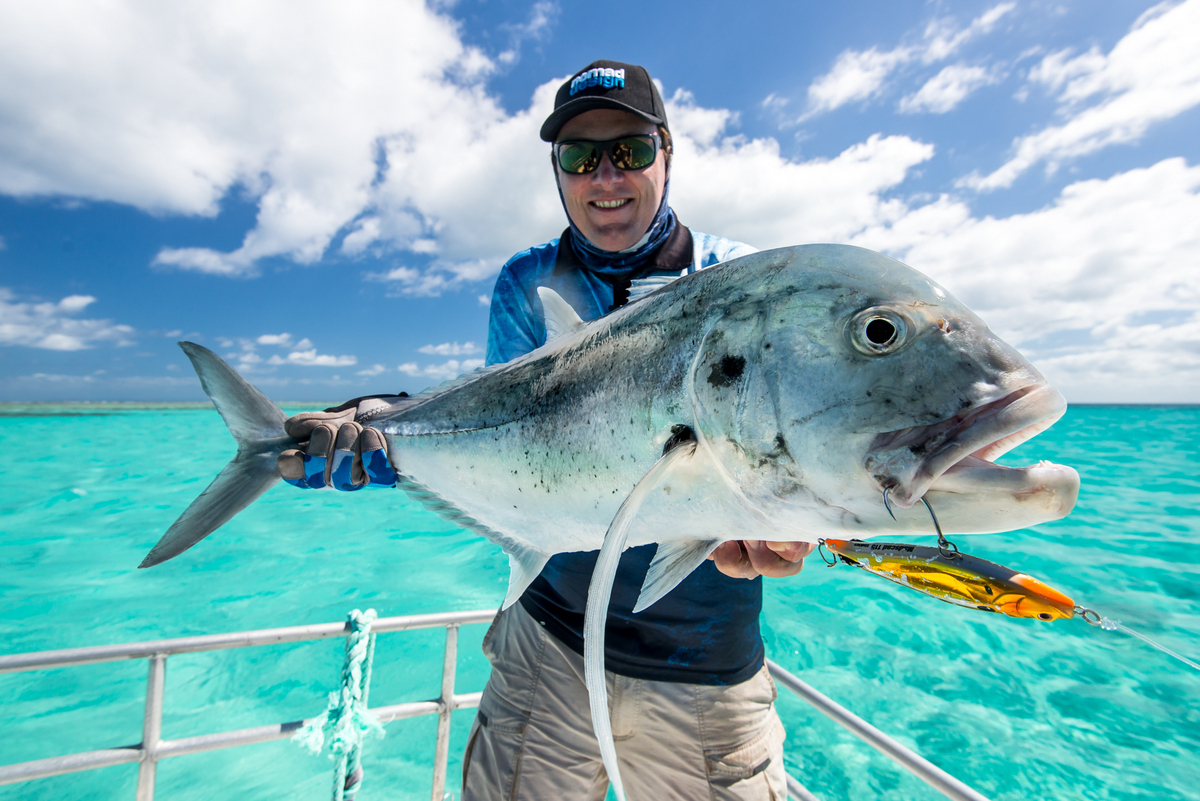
(1018, 709)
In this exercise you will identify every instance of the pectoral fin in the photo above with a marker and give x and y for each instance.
(525, 564)
(673, 562)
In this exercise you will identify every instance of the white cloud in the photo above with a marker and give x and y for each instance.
(856, 75)
(746, 190)
(1151, 75)
(862, 74)
(59, 378)
(53, 326)
(204, 260)
(451, 349)
(947, 89)
(1099, 288)
(310, 358)
(484, 300)
(943, 39)
(542, 17)
(302, 353)
(290, 103)
(441, 372)
(375, 369)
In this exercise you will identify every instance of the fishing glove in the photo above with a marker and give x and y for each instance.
(339, 452)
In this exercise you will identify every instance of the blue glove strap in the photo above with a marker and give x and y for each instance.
(340, 477)
(378, 469)
(314, 471)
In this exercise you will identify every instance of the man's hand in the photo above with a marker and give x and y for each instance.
(752, 558)
(339, 453)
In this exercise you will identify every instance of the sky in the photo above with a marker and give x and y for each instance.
(324, 192)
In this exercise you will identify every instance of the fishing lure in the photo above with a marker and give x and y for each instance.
(945, 573)
(958, 578)
(948, 575)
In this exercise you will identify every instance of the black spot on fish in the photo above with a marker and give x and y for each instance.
(728, 370)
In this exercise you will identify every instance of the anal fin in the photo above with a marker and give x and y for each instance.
(673, 562)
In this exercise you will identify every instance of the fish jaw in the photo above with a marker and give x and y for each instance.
(953, 460)
(977, 496)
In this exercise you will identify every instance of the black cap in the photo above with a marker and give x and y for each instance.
(606, 84)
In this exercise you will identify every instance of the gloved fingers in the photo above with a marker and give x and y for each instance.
(318, 456)
(341, 468)
(291, 466)
(374, 459)
(302, 425)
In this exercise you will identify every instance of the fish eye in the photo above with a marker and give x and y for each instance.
(878, 331)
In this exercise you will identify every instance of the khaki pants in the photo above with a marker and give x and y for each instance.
(532, 739)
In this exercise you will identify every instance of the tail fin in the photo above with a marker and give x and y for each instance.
(257, 425)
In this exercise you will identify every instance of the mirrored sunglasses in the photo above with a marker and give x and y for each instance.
(579, 156)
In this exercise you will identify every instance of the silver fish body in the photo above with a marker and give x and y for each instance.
(799, 422)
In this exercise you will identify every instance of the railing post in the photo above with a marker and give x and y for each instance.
(152, 726)
(446, 703)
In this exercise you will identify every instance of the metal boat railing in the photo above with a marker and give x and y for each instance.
(153, 748)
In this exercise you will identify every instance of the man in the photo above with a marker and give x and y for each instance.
(691, 702)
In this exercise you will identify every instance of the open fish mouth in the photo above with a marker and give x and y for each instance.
(958, 454)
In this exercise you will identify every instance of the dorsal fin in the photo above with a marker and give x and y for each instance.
(560, 317)
(641, 287)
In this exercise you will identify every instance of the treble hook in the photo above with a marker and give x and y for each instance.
(945, 547)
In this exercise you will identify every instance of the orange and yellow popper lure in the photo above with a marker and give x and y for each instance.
(956, 578)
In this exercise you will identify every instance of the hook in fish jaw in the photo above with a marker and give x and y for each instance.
(945, 547)
(887, 504)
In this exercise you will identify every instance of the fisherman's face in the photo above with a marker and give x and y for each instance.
(613, 208)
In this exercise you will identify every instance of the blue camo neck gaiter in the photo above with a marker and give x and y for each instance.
(622, 262)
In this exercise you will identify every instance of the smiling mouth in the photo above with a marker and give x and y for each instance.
(957, 454)
(611, 204)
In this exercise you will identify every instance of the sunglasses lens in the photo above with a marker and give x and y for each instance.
(632, 153)
(578, 157)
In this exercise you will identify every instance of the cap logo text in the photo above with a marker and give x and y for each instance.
(607, 77)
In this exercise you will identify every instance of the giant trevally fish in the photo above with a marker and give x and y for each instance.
(772, 397)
